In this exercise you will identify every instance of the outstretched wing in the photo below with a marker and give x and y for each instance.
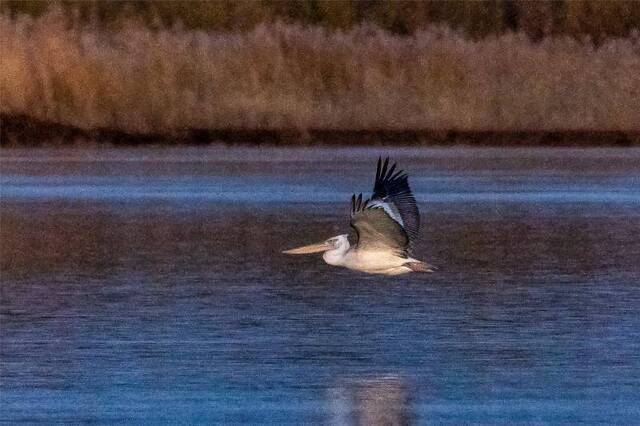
(391, 192)
(375, 229)
(390, 218)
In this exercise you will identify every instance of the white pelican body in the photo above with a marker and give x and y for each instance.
(385, 226)
(370, 261)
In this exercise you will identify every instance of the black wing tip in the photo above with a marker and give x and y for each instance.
(381, 169)
(386, 174)
(358, 204)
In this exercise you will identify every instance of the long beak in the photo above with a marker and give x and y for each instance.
(313, 248)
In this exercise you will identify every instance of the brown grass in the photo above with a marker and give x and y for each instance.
(286, 76)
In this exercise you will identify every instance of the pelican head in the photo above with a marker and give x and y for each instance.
(339, 243)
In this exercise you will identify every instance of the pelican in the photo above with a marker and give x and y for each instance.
(386, 227)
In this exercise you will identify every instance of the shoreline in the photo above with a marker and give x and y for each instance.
(25, 131)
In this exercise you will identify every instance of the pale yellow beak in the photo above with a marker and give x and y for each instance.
(313, 248)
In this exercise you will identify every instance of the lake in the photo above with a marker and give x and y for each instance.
(148, 286)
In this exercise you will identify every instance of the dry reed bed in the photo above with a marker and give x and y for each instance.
(285, 76)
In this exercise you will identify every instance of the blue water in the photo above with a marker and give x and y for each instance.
(147, 286)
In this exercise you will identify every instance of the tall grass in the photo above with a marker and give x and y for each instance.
(280, 75)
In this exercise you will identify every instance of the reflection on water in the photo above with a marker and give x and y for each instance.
(148, 286)
(373, 401)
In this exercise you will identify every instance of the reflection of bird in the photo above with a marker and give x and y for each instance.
(384, 400)
(386, 226)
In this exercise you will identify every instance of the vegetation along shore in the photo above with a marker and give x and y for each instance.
(66, 77)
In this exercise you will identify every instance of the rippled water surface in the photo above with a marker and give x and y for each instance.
(147, 286)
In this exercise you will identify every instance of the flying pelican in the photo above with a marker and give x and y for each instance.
(386, 227)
